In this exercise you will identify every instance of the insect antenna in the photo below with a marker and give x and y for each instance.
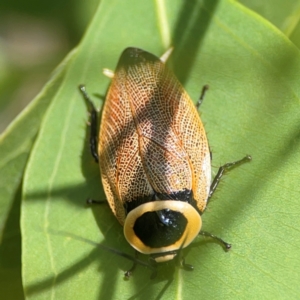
(135, 260)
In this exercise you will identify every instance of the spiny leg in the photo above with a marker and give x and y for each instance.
(93, 123)
(222, 170)
(129, 272)
(226, 246)
(91, 201)
(186, 266)
(200, 100)
(181, 258)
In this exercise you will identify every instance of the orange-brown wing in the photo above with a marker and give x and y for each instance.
(172, 140)
(122, 172)
(194, 141)
(151, 138)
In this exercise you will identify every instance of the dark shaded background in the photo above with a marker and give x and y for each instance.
(34, 38)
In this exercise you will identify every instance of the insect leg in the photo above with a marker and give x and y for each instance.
(128, 273)
(186, 266)
(93, 123)
(200, 100)
(222, 170)
(226, 246)
(90, 201)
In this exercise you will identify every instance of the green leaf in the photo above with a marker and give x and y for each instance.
(251, 108)
(285, 14)
(15, 146)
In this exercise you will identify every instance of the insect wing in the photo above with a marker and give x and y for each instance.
(152, 141)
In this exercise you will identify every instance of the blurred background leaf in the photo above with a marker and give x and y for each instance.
(34, 38)
(283, 14)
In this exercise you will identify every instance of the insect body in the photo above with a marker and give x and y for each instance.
(154, 157)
